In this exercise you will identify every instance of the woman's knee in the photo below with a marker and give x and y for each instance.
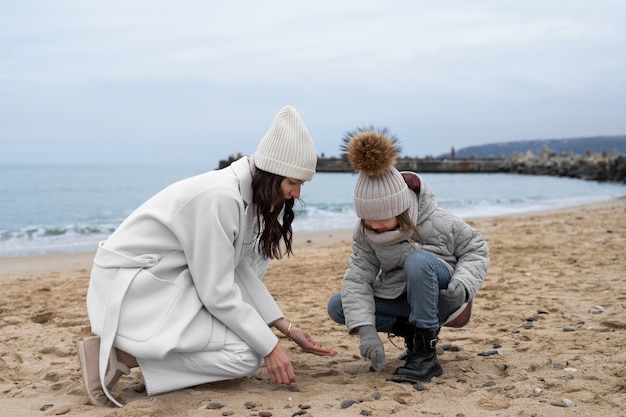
(251, 362)
(242, 362)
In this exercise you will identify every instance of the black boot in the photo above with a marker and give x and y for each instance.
(422, 363)
(404, 329)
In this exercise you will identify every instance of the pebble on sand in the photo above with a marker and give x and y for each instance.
(596, 310)
(348, 403)
(565, 402)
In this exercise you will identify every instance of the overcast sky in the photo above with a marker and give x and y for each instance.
(192, 81)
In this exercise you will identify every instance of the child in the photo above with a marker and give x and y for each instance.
(414, 266)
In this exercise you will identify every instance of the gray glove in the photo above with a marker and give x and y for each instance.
(455, 294)
(371, 347)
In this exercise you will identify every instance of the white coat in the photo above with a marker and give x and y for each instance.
(181, 269)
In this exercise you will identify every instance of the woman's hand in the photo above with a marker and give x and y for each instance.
(279, 366)
(309, 345)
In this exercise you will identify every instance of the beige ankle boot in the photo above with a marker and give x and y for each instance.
(89, 353)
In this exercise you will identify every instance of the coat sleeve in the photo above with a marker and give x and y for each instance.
(357, 291)
(207, 228)
(472, 253)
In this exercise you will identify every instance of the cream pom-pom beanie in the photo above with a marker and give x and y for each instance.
(380, 192)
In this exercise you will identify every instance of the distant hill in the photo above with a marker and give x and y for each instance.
(578, 146)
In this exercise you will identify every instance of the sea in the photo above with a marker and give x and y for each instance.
(53, 208)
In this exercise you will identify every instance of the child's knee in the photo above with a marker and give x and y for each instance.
(335, 309)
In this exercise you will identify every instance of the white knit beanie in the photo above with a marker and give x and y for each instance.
(287, 149)
(380, 192)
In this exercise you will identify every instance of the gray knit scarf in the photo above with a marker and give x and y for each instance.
(392, 237)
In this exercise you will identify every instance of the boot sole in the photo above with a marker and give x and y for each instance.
(83, 361)
(408, 379)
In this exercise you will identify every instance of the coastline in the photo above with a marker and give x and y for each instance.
(553, 307)
(24, 265)
(29, 265)
(29, 231)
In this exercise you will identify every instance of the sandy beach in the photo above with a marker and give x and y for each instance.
(553, 308)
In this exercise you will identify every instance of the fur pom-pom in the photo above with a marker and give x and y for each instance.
(369, 150)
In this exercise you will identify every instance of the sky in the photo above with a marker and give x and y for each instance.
(103, 81)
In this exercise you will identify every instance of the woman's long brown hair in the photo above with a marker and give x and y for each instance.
(269, 202)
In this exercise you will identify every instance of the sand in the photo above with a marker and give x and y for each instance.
(553, 307)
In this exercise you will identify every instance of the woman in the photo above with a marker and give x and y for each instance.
(177, 289)
(414, 266)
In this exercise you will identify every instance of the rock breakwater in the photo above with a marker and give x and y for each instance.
(592, 167)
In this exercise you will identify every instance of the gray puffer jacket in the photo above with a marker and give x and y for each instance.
(376, 270)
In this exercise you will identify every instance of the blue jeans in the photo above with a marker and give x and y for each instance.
(421, 304)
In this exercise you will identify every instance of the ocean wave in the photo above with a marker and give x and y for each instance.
(81, 219)
(44, 239)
